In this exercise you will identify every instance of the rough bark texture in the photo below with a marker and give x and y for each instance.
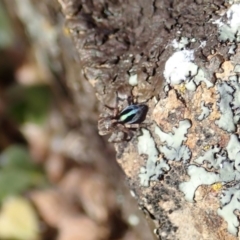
(119, 39)
(90, 169)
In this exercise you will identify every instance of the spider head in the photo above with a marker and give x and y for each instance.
(106, 125)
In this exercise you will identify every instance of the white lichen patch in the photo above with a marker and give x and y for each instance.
(229, 103)
(178, 65)
(180, 68)
(233, 149)
(154, 167)
(179, 45)
(203, 44)
(235, 105)
(205, 111)
(226, 121)
(199, 176)
(229, 203)
(233, 15)
(173, 148)
(230, 30)
(198, 78)
(222, 166)
(209, 156)
(133, 80)
(232, 49)
(226, 33)
(237, 68)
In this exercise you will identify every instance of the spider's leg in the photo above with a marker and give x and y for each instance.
(133, 125)
(138, 125)
(126, 130)
(115, 112)
(110, 108)
(130, 100)
(115, 108)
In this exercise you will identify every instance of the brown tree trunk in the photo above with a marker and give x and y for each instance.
(177, 59)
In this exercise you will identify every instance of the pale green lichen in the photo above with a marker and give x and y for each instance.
(180, 68)
(216, 165)
(237, 68)
(173, 148)
(230, 30)
(226, 33)
(210, 157)
(154, 167)
(226, 121)
(225, 168)
(198, 176)
(196, 78)
(229, 203)
(205, 111)
(235, 105)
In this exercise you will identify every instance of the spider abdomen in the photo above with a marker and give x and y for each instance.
(133, 114)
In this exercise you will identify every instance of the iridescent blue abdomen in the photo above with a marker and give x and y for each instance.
(133, 114)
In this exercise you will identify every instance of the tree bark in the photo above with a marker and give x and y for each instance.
(175, 58)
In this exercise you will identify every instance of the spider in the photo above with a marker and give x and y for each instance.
(120, 123)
